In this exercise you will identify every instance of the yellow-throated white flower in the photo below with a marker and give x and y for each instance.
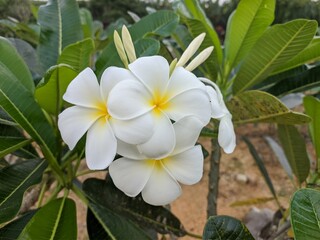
(226, 134)
(91, 114)
(152, 91)
(158, 179)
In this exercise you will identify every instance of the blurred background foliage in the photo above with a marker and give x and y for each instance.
(109, 11)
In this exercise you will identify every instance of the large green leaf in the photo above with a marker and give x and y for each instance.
(13, 229)
(103, 223)
(197, 13)
(312, 108)
(105, 194)
(161, 23)
(60, 26)
(305, 214)
(19, 103)
(86, 22)
(248, 23)
(295, 149)
(11, 61)
(78, 55)
(225, 228)
(310, 54)
(257, 106)
(50, 91)
(56, 220)
(14, 181)
(304, 79)
(277, 45)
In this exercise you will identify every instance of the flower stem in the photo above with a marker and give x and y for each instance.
(194, 235)
(213, 178)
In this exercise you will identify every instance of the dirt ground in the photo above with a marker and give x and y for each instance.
(240, 180)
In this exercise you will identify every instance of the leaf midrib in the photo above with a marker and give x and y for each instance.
(272, 60)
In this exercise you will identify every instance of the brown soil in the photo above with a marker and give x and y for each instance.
(191, 207)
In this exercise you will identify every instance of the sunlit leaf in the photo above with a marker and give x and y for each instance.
(105, 194)
(14, 181)
(250, 20)
(56, 220)
(310, 54)
(295, 149)
(225, 227)
(257, 106)
(49, 92)
(279, 44)
(60, 26)
(312, 108)
(305, 214)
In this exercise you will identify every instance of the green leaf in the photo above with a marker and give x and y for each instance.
(78, 55)
(147, 47)
(198, 14)
(86, 22)
(56, 220)
(248, 23)
(295, 149)
(260, 165)
(161, 23)
(49, 93)
(11, 61)
(103, 223)
(257, 106)
(14, 181)
(60, 26)
(279, 44)
(13, 229)
(312, 108)
(105, 194)
(23, 108)
(10, 144)
(305, 214)
(226, 228)
(310, 54)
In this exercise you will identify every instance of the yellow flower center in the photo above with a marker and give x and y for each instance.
(159, 102)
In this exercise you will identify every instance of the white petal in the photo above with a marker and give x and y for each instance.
(110, 77)
(193, 102)
(130, 176)
(186, 167)
(153, 72)
(187, 132)
(84, 90)
(134, 131)
(129, 99)
(217, 110)
(129, 151)
(182, 80)
(162, 141)
(74, 122)
(101, 145)
(226, 136)
(161, 188)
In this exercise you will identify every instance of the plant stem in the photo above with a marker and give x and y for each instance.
(213, 178)
(194, 235)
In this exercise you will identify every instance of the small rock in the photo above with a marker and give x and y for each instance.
(242, 178)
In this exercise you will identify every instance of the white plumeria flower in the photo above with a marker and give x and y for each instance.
(91, 114)
(158, 179)
(152, 91)
(226, 135)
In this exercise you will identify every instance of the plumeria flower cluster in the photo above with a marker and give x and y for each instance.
(151, 114)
